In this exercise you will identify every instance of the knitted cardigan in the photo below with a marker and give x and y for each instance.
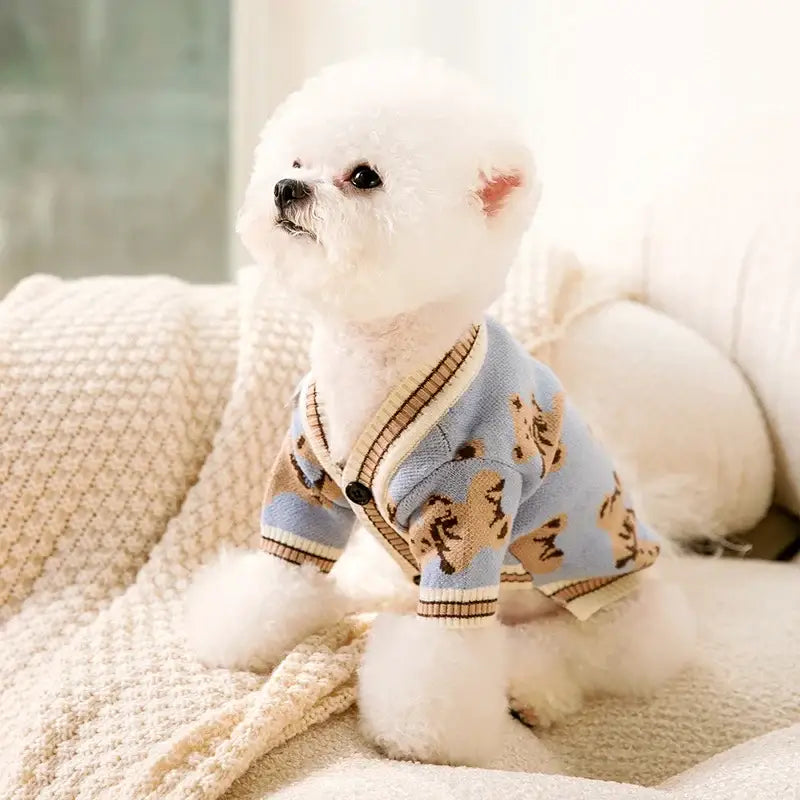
(477, 471)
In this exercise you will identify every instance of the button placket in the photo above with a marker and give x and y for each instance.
(358, 493)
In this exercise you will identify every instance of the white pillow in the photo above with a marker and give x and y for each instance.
(676, 414)
(723, 255)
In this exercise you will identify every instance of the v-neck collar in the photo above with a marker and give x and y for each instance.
(412, 408)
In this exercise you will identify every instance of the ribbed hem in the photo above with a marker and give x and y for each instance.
(459, 607)
(515, 580)
(298, 550)
(584, 598)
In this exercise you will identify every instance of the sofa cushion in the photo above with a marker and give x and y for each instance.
(722, 254)
(740, 687)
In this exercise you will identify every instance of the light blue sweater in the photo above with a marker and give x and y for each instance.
(477, 471)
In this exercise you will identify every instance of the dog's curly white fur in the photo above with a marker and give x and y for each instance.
(247, 609)
(424, 694)
(630, 648)
(392, 273)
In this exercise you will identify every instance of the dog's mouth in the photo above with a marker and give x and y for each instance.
(294, 228)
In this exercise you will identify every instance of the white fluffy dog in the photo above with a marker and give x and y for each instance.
(389, 195)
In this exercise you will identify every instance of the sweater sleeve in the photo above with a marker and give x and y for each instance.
(305, 518)
(459, 525)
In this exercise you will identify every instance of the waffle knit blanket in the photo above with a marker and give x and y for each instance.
(138, 418)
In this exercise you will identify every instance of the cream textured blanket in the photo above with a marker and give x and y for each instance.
(693, 741)
(137, 419)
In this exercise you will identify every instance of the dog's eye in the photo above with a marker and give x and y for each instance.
(364, 177)
(296, 164)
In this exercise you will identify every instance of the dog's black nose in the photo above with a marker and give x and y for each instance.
(288, 191)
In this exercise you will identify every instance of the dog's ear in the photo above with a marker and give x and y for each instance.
(506, 186)
(513, 188)
(493, 191)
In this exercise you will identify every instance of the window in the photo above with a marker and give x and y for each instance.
(113, 138)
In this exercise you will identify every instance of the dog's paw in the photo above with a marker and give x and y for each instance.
(434, 694)
(542, 690)
(247, 609)
(542, 709)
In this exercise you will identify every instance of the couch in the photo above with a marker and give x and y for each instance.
(720, 253)
(136, 420)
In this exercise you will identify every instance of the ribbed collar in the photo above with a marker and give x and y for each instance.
(412, 408)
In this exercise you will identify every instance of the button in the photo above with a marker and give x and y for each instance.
(358, 493)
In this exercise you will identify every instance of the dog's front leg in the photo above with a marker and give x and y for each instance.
(247, 609)
(432, 693)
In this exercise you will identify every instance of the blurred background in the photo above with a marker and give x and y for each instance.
(127, 128)
(114, 137)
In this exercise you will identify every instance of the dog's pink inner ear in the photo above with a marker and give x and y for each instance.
(494, 191)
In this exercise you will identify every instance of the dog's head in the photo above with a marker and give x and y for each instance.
(387, 183)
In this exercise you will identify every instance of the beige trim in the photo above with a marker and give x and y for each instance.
(300, 543)
(314, 428)
(459, 607)
(516, 580)
(586, 597)
(458, 612)
(409, 438)
(551, 588)
(387, 535)
(583, 607)
(431, 595)
(294, 556)
(515, 576)
(410, 401)
(514, 569)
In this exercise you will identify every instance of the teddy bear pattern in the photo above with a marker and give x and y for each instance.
(539, 553)
(537, 432)
(455, 531)
(313, 485)
(458, 531)
(537, 550)
(619, 522)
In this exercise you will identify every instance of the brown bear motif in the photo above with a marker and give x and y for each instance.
(538, 432)
(619, 522)
(287, 476)
(537, 550)
(457, 531)
(471, 449)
